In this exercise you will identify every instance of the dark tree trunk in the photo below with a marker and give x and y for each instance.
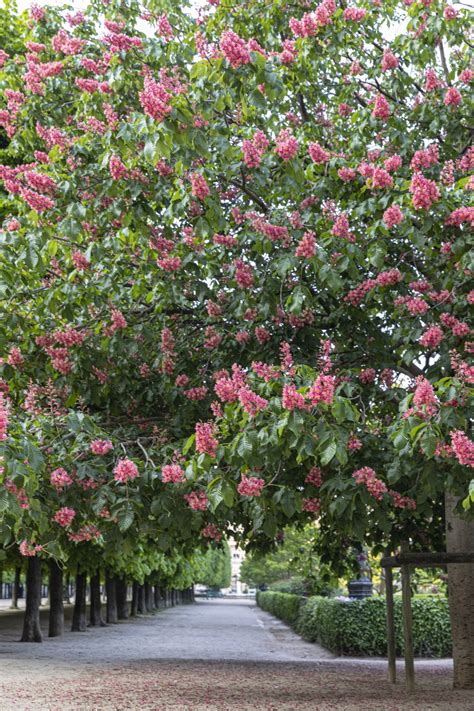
(149, 601)
(111, 593)
(66, 589)
(121, 588)
(31, 623)
(157, 596)
(141, 600)
(134, 607)
(79, 622)
(95, 612)
(16, 588)
(56, 604)
(460, 539)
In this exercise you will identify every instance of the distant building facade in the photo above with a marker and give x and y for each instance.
(237, 556)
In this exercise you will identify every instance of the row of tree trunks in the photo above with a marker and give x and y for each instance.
(146, 598)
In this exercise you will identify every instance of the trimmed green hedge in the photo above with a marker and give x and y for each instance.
(285, 606)
(358, 627)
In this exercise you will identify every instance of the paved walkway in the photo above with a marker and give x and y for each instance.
(217, 655)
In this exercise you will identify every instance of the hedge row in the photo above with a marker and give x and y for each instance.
(285, 606)
(358, 627)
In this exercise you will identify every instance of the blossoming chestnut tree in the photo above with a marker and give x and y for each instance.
(249, 232)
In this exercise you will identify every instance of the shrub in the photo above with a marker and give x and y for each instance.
(358, 627)
(283, 605)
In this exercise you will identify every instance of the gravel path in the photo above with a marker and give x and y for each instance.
(217, 655)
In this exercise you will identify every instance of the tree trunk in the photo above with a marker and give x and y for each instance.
(157, 596)
(149, 601)
(121, 588)
(111, 592)
(79, 622)
(141, 600)
(31, 623)
(460, 538)
(56, 604)
(95, 612)
(134, 607)
(16, 588)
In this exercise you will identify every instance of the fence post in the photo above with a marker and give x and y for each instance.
(391, 640)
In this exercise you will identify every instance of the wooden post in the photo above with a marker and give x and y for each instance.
(391, 640)
(407, 629)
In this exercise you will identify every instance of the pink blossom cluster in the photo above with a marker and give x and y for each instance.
(453, 97)
(261, 334)
(425, 397)
(393, 163)
(381, 109)
(463, 448)
(425, 192)
(125, 470)
(318, 154)
(172, 474)
(254, 149)
(368, 478)
(432, 337)
(4, 410)
(243, 274)
(458, 328)
(199, 186)
(392, 216)
(225, 240)
(89, 532)
(286, 145)
(460, 216)
(289, 53)
(119, 321)
(306, 246)
(80, 261)
(425, 157)
(322, 390)
(65, 43)
(388, 278)
(341, 228)
(64, 516)
(402, 502)
(353, 443)
(273, 232)
(206, 443)
(197, 393)
(389, 61)
(250, 486)
(251, 402)
(312, 21)
(234, 49)
(60, 478)
(347, 174)
(312, 505)
(314, 477)
(265, 371)
(292, 399)
(18, 492)
(367, 376)
(101, 446)
(169, 264)
(155, 99)
(29, 549)
(117, 168)
(380, 179)
(163, 27)
(354, 14)
(211, 531)
(197, 500)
